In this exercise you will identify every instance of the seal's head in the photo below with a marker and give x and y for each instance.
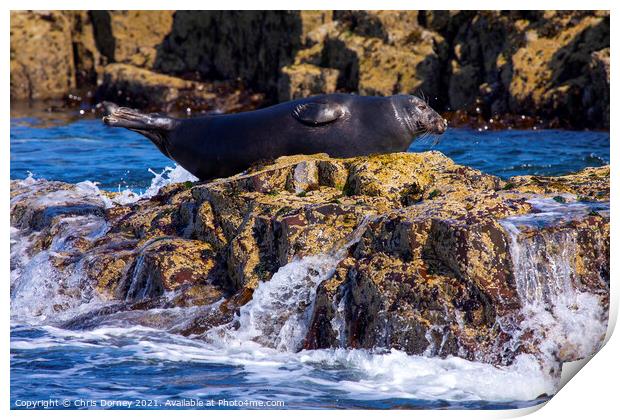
(417, 115)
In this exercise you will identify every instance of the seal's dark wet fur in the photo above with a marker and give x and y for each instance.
(340, 125)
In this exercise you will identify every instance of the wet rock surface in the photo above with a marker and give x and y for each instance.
(404, 251)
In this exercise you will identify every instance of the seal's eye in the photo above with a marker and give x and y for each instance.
(422, 107)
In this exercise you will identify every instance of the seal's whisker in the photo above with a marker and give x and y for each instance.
(424, 98)
(421, 133)
(430, 137)
(424, 137)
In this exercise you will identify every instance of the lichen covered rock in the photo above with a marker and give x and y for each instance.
(518, 68)
(444, 260)
(42, 65)
(131, 36)
(589, 184)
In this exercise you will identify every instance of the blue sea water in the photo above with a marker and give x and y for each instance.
(120, 362)
(119, 366)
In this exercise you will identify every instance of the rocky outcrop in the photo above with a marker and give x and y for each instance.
(303, 80)
(552, 70)
(42, 64)
(151, 91)
(249, 45)
(486, 63)
(131, 37)
(596, 93)
(375, 53)
(548, 68)
(589, 184)
(435, 265)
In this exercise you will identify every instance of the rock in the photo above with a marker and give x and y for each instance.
(312, 20)
(376, 53)
(433, 256)
(145, 89)
(131, 36)
(39, 206)
(550, 72)
(133, 86)
(374, 65)
(521, 68)
(596, 93)
(408, 178)
(588, 185)
(392, 26)
(232, 44)
(108, 263)
(303, 80)
(168, 265)
(42, 65)
(411, 266)
(87, 58)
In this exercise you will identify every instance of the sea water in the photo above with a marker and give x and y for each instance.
(116, 362)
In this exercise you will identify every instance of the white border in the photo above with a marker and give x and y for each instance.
(592, 394)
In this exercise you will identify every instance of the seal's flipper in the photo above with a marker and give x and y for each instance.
(154, 127)
(318, 113)
(136, 120)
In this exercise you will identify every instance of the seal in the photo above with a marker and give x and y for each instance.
(340, 125)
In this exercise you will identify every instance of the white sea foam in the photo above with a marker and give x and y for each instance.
(353, 373)
(168, 176)
(279, 312)
(40, 292)
(89, 189)
(43, 294)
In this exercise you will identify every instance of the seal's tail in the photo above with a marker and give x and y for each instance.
(136, 120)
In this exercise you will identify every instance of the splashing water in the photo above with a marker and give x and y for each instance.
(40, 292)
(565, 320)
(307, 379)
(542, 275)
(168, 176)
(280, 311)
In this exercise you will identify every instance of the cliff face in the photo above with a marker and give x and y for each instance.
(549, 65)
(405, 251)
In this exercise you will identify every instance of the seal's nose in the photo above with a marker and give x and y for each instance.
(440, 125)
